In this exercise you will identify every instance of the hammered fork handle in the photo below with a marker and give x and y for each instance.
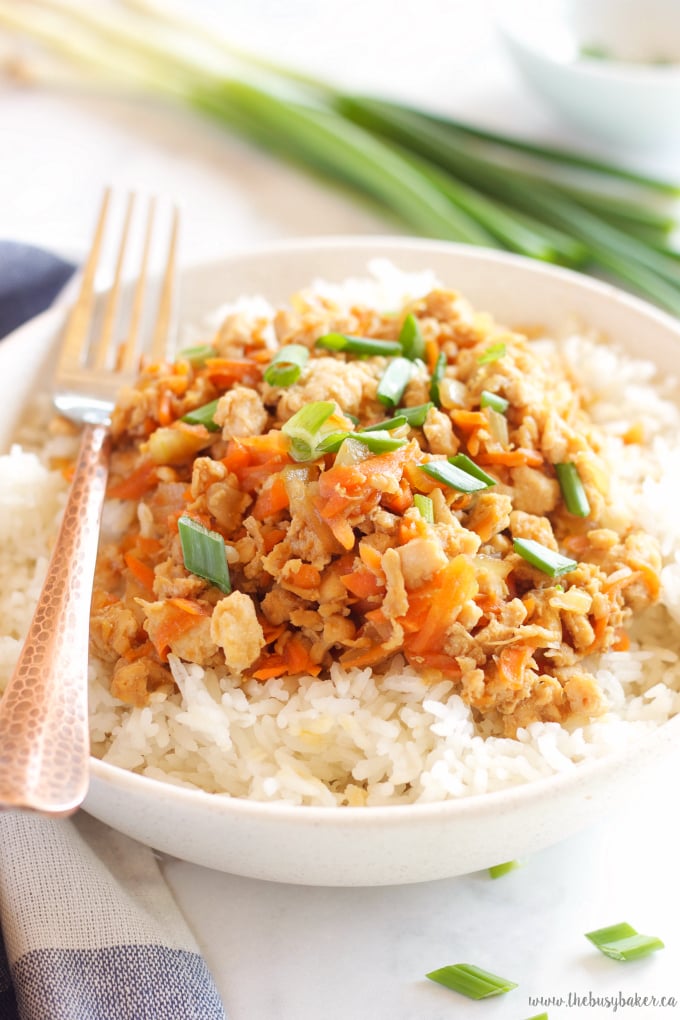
(44, 735)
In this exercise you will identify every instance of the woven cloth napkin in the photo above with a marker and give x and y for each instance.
(90, 930)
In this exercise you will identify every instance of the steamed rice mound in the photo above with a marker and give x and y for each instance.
(387, 731)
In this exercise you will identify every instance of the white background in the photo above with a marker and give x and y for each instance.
(289, 953)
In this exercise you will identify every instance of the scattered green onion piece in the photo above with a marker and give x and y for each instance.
(425, 507)
(491, 354)
(376, 442)
(204, 553)
(197, 355)
(303, 428)
(538, 1016)
(547, 560)
(394, 381)
(437, 377)
(332, 442)
(415, 416)
(411, 339)
(358, 344)
(498, 870)
(203, 416)
(622, 942)
(471, 981)
(454, 477)
(285, 367)
(379, 443)
(387, 425)
(573, 493)
(494, 401)
(462, 461)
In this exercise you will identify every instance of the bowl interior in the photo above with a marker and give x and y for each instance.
(365, 846)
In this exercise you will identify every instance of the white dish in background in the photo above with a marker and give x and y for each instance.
(611, 67)
(373, 845)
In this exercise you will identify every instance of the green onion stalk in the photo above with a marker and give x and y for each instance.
(434, 175)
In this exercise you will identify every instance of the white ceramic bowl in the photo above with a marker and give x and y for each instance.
(631, 93)
(372, 845)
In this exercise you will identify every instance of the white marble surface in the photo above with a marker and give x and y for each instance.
(290, 953)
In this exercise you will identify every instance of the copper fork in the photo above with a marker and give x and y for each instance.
(44, 738)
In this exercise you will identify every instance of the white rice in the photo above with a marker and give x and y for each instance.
(352, 738)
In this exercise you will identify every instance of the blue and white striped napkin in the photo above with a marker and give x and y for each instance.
(90, 930)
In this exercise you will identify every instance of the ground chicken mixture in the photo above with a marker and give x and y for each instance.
(470, 532)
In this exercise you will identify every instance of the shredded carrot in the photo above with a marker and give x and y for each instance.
(165, 415)
(304, 576)
(635, 434)
(431, 355)
(622, 642)
(520, 457)
(512, 664)
(435, 606)
(469, 420)
(141, 571)
(271, 500)
(136, 484)
(371, 556)
(272, 537)
(139, 652)
(650, 577)
(224, 372)
(363, 583)
(179, 616)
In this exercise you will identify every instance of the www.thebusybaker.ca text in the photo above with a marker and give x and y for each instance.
(612, 1002)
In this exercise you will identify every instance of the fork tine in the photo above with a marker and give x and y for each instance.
(111, 307)
(78, 323)
(126, 355)
(162, 329)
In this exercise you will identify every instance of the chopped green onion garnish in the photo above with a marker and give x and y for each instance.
(203, 416)
(197, 355)
(387, 425)
(622, 942)
(498, 870)
(491, 354)
(494, 401)
(303, 429)
(437, 377)
(538, 1016)
(376, 442)
(411, 339)
(413, 416)
(454, 477)
(204, 553)
(394, 381)
(539, 556)
(471, 981)
(285, 367)
(425, 507)
(462, 461)
(573, 493)
(358, 344)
